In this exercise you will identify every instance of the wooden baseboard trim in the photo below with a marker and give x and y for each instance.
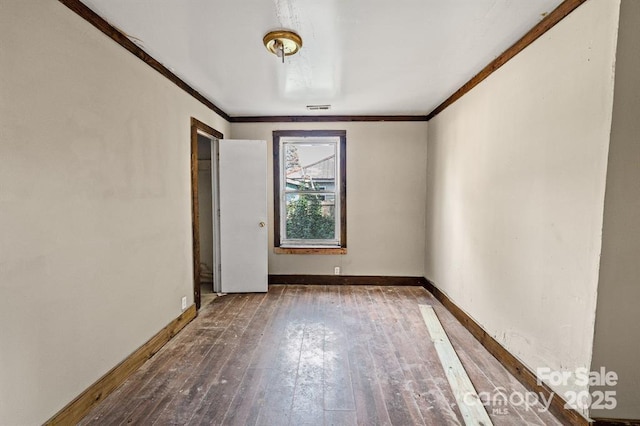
(598, 421)
(73, 412)
(510, 362)
(346, 280)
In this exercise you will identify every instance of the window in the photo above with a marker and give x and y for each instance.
(310, 190)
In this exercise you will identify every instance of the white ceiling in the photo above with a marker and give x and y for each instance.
(364, 57)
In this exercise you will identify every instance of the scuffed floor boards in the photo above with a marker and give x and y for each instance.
(473, 412)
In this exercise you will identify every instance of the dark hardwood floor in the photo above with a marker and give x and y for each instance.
(312, 355)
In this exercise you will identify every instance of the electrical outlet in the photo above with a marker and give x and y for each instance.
(336, 270)
(184, 302)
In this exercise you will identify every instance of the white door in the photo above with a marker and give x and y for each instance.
(243, 215)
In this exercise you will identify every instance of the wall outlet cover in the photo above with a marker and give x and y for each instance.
(184, 302)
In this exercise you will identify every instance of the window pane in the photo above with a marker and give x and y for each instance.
(310, 167)
(310, 208)
(310, 216)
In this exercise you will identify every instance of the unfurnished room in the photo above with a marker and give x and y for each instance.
(336, 212)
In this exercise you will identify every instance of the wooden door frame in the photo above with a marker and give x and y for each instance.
(197, 125)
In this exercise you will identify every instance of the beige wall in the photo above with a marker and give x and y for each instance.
(617, 335)
(385, 199)
(515, 189)
(95, 221)
(95, 215)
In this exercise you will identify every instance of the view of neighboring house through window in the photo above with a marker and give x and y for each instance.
(310, 188)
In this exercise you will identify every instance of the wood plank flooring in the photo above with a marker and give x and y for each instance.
(313, 355)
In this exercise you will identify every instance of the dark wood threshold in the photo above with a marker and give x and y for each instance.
(346, 280)
(119, 37)
(510, 362)
(324, 118)
(73, 412)
(549, 21)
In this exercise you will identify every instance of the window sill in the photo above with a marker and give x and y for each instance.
(310, 250)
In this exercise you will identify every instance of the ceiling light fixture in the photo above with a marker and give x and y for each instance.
(282, 43)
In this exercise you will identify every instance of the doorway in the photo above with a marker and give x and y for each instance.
(204, 208)
(238, 176)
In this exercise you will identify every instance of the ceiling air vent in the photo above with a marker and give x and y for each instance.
(318, 107)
